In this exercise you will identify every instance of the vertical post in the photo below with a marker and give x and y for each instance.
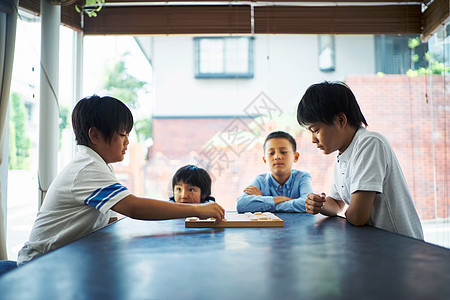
(8, 25)
(78, 61)
(78, 70)
(48, 111)
(4, 192)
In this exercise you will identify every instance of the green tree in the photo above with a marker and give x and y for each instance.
(143, 129)
(19, 144)
(12, 162)
(63, 121)
(435, 66)
(412, 44)
(124, 86)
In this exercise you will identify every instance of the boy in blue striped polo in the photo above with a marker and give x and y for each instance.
(85, 195)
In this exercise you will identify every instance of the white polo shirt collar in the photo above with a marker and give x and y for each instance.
(82, 149)
(347, 154)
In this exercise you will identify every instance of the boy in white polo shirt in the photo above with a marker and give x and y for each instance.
(81, 198)
(367, 175)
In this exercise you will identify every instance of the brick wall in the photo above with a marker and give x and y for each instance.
(194, 141)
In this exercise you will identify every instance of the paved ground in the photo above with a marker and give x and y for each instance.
(437, 232)
(22, 209)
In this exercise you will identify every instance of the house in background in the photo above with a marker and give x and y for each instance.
(217, 97)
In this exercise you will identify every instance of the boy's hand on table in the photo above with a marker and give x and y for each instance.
(210, 210)
(252, 190)
(314, 203)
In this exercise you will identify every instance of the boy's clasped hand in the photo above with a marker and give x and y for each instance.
(314, 203)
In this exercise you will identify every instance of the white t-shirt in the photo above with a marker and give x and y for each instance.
(370, 164)
(77, 203)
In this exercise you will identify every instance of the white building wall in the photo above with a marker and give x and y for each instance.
(284, 66)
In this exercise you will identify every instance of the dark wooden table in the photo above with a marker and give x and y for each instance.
(312, 257)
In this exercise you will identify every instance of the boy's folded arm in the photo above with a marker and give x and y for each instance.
(253, 190)
(253, 203)
(151, 209)
(292, 205)
(361, 203)
(280, 199)
(297, 204)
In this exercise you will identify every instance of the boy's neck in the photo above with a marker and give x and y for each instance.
(98, 151)
(348, 137)
(281, 179)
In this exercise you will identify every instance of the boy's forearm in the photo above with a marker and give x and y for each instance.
(332, 207)
(151, 209)
(254, 203)
(358, 212)
(293, 205)
(162, 210)
(280, 199)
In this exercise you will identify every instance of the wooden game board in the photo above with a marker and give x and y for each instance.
(233, 219)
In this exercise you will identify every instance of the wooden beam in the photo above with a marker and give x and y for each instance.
(170, 20)
(389, 19)
(69, 15)
(202, 2)
(434, 16)
(32, 6)
(303, 17)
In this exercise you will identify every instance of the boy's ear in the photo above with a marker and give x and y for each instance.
(341, 118)
(296, 156)
(95, 135)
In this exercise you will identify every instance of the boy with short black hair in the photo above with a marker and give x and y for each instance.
(367, 175)
(283, 189)
(81, 197)
(191, 184)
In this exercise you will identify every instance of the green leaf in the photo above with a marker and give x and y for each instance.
(413, 43)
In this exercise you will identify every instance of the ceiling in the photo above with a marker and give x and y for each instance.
(140, 17)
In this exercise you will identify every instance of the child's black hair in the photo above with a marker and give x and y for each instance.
(195, 176)
(281, 135)
(322, 102)
(107, 114)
